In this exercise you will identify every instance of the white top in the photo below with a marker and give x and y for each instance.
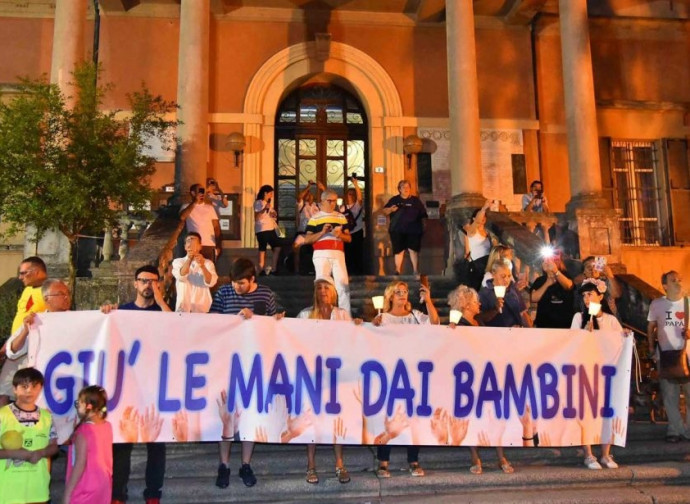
(607, 322)
(480, 246)
(670, 321)
(22, 350)
(306, 212)
(216, 202)
(415, 317)
(193, 293)
(263, 220)
(336, 314)
(201, 220)
(538, 205)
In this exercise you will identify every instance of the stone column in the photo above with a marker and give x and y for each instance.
(463, 104)
(68, 41)
(580, 106)
(192, 94)
(588, 211)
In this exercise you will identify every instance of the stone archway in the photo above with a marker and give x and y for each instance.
(376, 90)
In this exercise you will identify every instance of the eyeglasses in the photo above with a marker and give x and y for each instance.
(401, 292)
(76, 404)
(25, 272)
(332, 200)
(147, 281)
(57, 294)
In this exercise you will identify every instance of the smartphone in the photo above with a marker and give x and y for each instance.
(259, 308)
(600, 263)
(424, 281)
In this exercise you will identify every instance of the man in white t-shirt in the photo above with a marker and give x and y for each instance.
(667, 322)
(201, 217)
(194, 275)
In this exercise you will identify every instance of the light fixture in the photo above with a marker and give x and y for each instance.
(236, 143)
(412, 145)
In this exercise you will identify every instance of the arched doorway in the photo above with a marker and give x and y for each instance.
(321, 134)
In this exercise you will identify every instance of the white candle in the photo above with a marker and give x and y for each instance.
(378, 302)
(594, 308)
(500, 291)
(340, 202)
(455, 316)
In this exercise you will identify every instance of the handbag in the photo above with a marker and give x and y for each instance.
(673, 364)
(465, 270)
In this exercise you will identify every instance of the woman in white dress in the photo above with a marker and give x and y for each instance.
(594, 291)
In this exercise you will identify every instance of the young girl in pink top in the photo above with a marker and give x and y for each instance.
(90, 459)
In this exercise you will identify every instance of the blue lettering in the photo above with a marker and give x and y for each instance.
(488, 391)
(333, 406)
(279, 384)
(589, 390)
(400, 389)
(165, 404)
(463, 388)
(246, 388)
(519, 398)
(369, 367)
(424, 408)
(609, 372)
(193, 381)
(548, 386)
(65, 383)
(569, 410)
(115, 392)
(86, 358)
(313, 387)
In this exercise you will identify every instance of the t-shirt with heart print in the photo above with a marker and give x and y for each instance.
(670, 319)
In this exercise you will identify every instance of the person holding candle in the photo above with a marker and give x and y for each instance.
(553, 293)
(501, 303)
(397, 309)
(595, 317)
(465, 301)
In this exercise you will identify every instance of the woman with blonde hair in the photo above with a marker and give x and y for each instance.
(325, 307)
(466, 300)
(397, 309)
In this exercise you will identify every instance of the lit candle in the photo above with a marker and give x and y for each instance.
(455, 316)
(500, 291)
(594, 309)
(378, 302)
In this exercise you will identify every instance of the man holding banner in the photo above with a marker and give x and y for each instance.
(149, 298)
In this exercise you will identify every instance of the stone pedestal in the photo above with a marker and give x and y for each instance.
(599, 233)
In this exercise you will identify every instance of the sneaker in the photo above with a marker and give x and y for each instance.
(247, 475)
(608, 462)
(591, 462)
(223, 479)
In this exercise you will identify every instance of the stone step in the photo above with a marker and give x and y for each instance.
(191, 470)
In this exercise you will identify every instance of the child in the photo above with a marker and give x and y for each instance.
(24, 474)
(594, 291)
(90, 458)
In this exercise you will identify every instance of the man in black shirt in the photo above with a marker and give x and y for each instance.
(149, 298)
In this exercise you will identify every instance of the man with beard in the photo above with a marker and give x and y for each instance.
(149, 298)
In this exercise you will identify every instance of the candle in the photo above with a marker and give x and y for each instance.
(378, 302)
(455, 316)
(594, 309)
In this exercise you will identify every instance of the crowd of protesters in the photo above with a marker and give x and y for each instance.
(495, 294)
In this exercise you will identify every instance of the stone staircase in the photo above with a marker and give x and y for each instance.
(651, 471)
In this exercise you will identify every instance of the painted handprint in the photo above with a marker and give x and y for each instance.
(129, 425)
(393, 426)
(230, 420)
(339, 431)
(458, 430)
(439, 425)
(180, 427)
(150, 424)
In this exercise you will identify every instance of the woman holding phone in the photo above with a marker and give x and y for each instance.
(266, 227)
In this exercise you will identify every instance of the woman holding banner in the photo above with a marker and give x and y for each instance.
(466, 300)
(397, 309)
(325, 307)
(594, 317)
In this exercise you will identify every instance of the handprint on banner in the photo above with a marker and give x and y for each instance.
(394, 426)
(180, 427)
(129, 425)
(150, 424)
(367, 436)
(614, 430)
(448, 430)
(230, 420)
(339, 431)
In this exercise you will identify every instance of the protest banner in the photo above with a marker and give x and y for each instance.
(192, 377)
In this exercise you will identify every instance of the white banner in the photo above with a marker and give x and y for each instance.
(191, 377)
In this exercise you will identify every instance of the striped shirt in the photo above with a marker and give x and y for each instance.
(262, 301)
(321, 218)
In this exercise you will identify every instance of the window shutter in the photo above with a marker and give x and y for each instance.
(679, 188)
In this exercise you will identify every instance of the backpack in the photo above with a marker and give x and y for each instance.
(351, 218)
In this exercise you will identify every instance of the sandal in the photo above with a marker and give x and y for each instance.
(505, 466)
(383, 472)
(342, 474)
(476, 468)
(416, 470)
(312, 477)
